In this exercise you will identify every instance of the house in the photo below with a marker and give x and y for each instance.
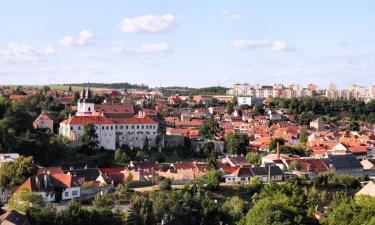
(44, 121)
(12, 217)
(344, 164)
(318, 124)
(246, 174)
(306, 167)
(236, 161)
(248, 100)
(368, 189)
(53, 187)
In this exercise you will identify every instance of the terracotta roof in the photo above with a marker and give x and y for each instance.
(17, 97)
(83, 120)
(115, 109)
(134, 120)
(50, 170)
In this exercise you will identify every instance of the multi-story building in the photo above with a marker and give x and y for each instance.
(111, 131)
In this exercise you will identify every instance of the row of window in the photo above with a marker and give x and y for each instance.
(121, 127)
(74, 193)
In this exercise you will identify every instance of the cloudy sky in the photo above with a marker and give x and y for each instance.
(188, 43)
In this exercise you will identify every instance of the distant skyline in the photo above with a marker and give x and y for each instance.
(188, 43)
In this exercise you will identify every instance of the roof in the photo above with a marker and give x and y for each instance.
(48, 182)
(89, 174)
(115, 109)
(50, 170)
(14, 217)
(368, 189)
(347, 161)
(112, 170)
(17, 97)
(134, 120)
(83, 120)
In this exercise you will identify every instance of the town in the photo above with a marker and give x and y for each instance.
(131, 154)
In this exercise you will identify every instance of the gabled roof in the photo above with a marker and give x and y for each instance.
(49, 182)
(89, 174)
(347, 161)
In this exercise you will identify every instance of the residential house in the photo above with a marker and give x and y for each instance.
(44, 121)
(344, 164)
(367, 190)
(53, 187)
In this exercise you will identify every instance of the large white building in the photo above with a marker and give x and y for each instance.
(275, 91)
(111, 132)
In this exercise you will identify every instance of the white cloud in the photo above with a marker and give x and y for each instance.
(248, 44)
(245, 44)
(15, 53)
(49, 50)
(83, 37)
(148, 24)
(66, 41)
(281, 46)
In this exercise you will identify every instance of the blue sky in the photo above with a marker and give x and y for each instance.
(188, 43)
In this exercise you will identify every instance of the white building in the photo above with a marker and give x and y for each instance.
(111, 131)
(247, 100)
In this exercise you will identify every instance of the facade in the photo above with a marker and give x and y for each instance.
(344, 164)
(111, 131)
(53, 187)
(247, 100)
(318, 124)
(44, 121)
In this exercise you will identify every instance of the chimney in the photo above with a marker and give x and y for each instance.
(278, 150)
(45, 180)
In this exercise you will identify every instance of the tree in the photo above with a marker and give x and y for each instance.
(46, 215)
(274, 142)
(211, 179)
(209, 129)
(102, 203)
(258, 109)
(165, 184)
(23, 200)
(146, 144)
(303, 135)
(89, 140)
(207, 148)
(254, 158)
(235, 208)
(14, 173)
(353, 126)
(237, 143)
(211, 162)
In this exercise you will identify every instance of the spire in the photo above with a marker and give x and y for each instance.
(82, 94)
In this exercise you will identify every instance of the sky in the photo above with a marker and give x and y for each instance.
(191, 43)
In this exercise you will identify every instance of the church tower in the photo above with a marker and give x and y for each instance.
(85, 104)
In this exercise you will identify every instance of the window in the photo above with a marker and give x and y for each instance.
(143, 127)
(66, 194)
(102, 127)
(146, 126)
(71, 127)
(79, 127)
(75, 193)
(137, 126)
(116, 127)
(89, 109)
(106, 127)
(127, 127)
(121, 127)
(132, 126)
(111, 127)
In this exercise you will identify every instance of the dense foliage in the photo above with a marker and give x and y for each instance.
(308, 108)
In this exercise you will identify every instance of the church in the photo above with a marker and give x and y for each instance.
(112, 132)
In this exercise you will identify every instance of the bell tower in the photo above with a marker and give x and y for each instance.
(85, 104)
